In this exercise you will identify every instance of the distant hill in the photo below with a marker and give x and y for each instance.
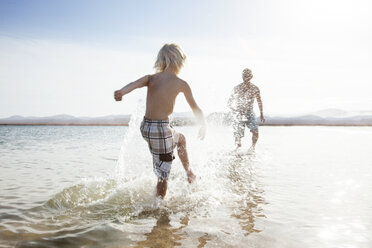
(329, 117)
(323, 117)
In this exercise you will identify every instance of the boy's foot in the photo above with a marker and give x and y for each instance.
(190, 176)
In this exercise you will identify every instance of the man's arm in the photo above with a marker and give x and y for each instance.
(230, 102)
(142, 82)
(186, 90)
(260, 106)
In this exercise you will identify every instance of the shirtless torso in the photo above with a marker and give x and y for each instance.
(243, 97)
(162, 90)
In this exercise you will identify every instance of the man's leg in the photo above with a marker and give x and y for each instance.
(182, 154)
(239, 133)
(252, 125)
(238, 142)
(161, 187)
(254, 138)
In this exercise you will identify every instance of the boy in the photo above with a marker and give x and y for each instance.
(241, 103)
(162, 90)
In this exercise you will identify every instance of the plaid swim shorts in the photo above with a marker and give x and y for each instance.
(249, 120)
(162, 139)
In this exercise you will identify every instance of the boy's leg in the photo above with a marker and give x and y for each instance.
(161, 169)
(161, 187)
(182, 154)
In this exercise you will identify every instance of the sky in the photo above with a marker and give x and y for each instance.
(68, 57)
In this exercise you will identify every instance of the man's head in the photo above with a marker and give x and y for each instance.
(170, 56)
(247, 75)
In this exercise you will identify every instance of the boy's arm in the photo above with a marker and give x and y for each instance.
(186, 90)
(260, 106)
(142, 82)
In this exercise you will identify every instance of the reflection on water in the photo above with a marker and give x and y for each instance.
(244, 182)
(163, 234)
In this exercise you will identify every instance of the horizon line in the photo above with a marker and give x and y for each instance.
(186, 112)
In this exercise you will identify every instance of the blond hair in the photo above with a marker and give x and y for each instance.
(170, 56)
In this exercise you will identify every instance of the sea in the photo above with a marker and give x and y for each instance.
(94, 186)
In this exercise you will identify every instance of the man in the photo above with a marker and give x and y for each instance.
(162, 90)
(241, 104)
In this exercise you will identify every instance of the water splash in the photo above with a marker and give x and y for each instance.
(124, 159)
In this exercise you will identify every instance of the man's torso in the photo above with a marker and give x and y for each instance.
(244, 97)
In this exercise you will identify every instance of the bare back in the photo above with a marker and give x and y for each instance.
(243, 97)
(162, 90)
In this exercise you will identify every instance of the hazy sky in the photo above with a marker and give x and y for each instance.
(68, 57)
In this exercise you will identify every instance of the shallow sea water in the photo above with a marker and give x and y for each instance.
(75, 186)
